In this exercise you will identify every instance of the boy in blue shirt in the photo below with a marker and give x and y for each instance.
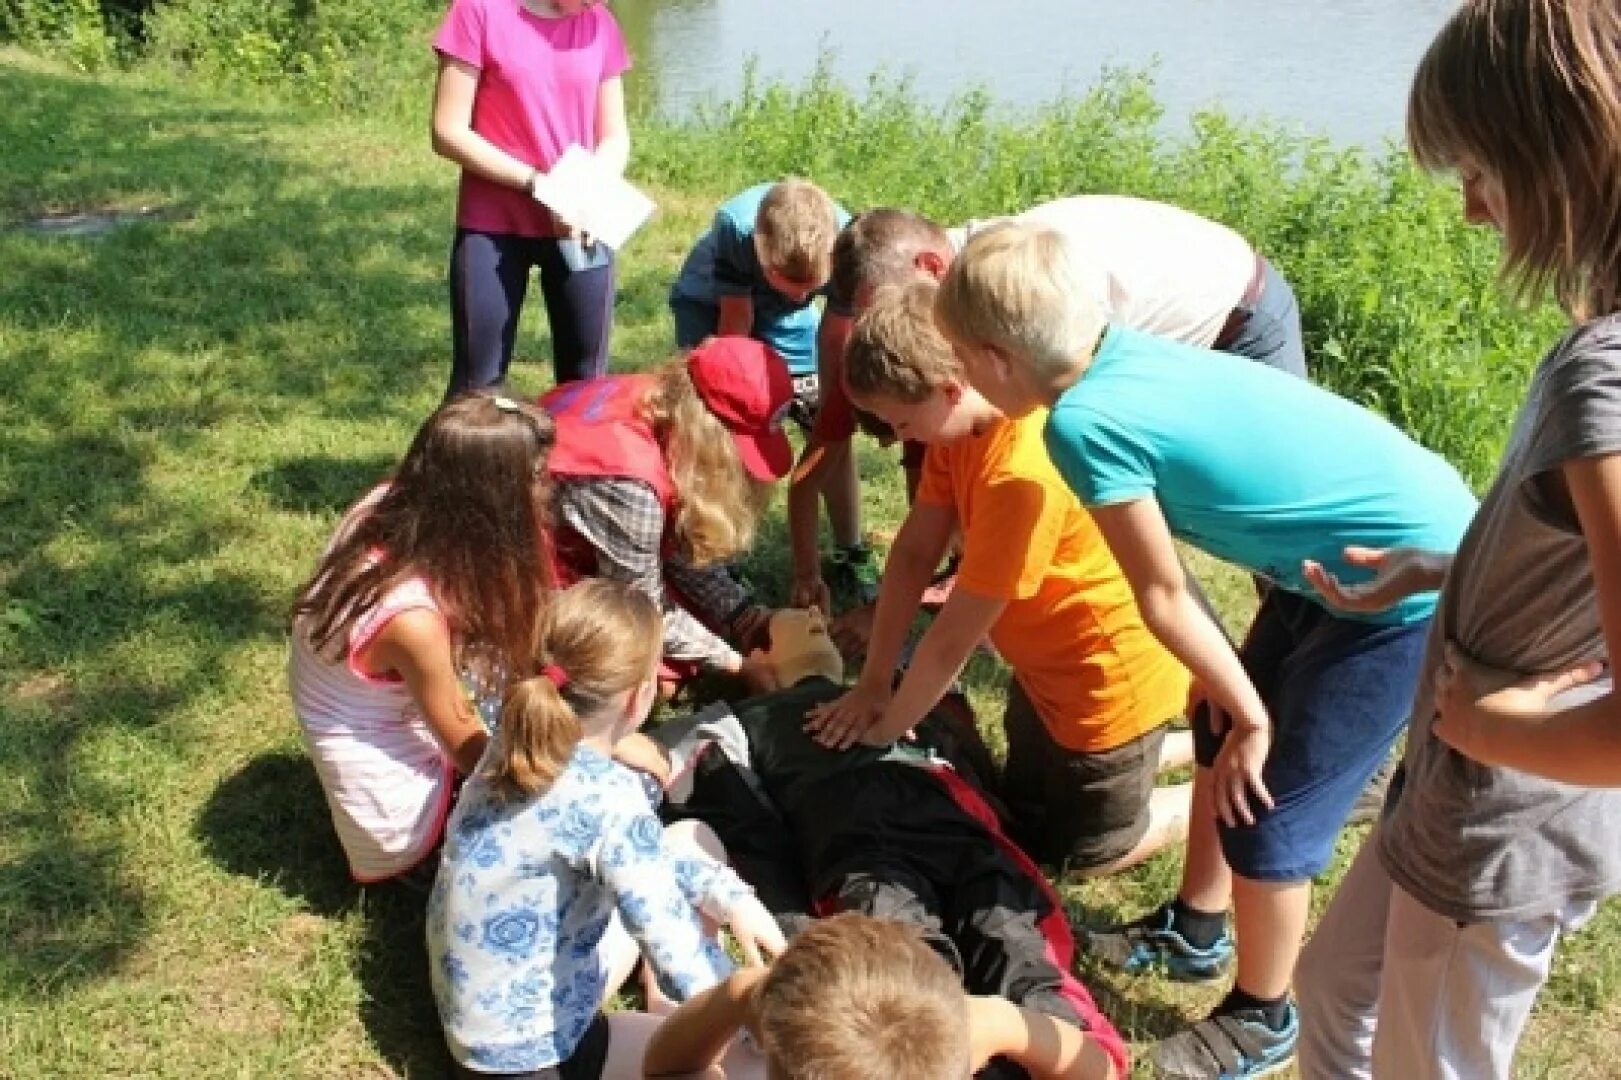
(756, 273)
(1162, 441)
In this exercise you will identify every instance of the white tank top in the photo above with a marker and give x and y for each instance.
(388, 782)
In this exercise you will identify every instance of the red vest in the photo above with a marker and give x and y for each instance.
(601, 433)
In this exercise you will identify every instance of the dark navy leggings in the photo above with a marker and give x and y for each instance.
(489, 274)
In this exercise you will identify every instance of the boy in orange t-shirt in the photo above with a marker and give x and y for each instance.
(1092, 689)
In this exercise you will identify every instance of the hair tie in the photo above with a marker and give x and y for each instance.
(555, 675)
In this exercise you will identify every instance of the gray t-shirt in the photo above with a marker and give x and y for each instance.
(1472, 842)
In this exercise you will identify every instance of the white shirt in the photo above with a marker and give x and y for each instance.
(387, 780)
(1150, 266)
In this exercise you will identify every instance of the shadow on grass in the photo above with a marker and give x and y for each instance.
(134, 582)
(83, 539)
(320, 482)
(268, 821)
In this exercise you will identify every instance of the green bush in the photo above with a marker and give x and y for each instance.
(357, 56)
(76, 29)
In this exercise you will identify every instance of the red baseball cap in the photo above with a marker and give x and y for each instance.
(748, 387)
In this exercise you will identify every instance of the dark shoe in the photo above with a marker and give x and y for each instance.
(1232, 1045)
(1153, 943)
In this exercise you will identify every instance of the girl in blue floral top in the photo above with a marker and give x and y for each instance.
(552, 837)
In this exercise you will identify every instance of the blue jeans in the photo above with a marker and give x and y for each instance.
(489, 274)
(1338, 691)
(1271, 334)
(791, 332)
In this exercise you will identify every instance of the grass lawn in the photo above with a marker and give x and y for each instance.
(186, 405)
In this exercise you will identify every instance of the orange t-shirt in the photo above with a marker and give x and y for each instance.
(1071, 631)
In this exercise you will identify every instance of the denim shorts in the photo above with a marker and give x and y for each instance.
(1339, 691)
(1272, 334)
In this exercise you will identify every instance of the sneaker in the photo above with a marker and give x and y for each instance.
(1230, 1045)
(1152, 942)
(853, 576)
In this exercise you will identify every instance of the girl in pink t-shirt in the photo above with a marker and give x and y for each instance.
(437, 576)
(519, 82)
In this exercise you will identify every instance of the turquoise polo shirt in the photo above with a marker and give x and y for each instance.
(1258, 468)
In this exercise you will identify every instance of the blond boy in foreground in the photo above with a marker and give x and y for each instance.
(855, 997)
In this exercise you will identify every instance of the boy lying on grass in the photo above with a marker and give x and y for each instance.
(901, 832)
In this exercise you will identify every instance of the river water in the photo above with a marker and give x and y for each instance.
(1339, 68)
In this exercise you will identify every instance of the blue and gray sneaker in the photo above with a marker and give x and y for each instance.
(1153, 943)
(1235, 1044)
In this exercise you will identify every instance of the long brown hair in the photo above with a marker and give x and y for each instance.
(1530, 91)
(466, 510)
(600, 638)
(719, 503)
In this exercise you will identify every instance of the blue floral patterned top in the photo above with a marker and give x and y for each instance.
(524, 895)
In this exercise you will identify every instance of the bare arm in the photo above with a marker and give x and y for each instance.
(1517, 724)
(818, 462)
(1138, 535)
(736, 316)
(946, 646)
(916, 552)
(416, 645)
(695, 1037)
(453, 134)
(823, 458)
(613, 132)
(831, 334)
(1049, 1049)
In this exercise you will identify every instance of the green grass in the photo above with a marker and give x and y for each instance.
(186, 406)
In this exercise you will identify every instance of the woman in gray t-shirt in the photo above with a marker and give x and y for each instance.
(1499, 834)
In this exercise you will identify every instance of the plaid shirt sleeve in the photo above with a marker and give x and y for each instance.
(623, 521)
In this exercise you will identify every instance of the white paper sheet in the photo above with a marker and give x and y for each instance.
(590, 196)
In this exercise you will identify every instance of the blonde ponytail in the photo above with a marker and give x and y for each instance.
(599, 639)
(539, 730)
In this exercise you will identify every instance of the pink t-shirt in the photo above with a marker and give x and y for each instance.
(537, 94)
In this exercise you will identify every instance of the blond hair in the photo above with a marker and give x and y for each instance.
(1018, 287)
(1530, 92)
(719, 503)
(795, 228)
(880, 248)
(855, 997)
(895, 350)
(599, 639)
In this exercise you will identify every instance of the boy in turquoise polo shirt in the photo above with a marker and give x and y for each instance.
(757, 272)
(1278, 477)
